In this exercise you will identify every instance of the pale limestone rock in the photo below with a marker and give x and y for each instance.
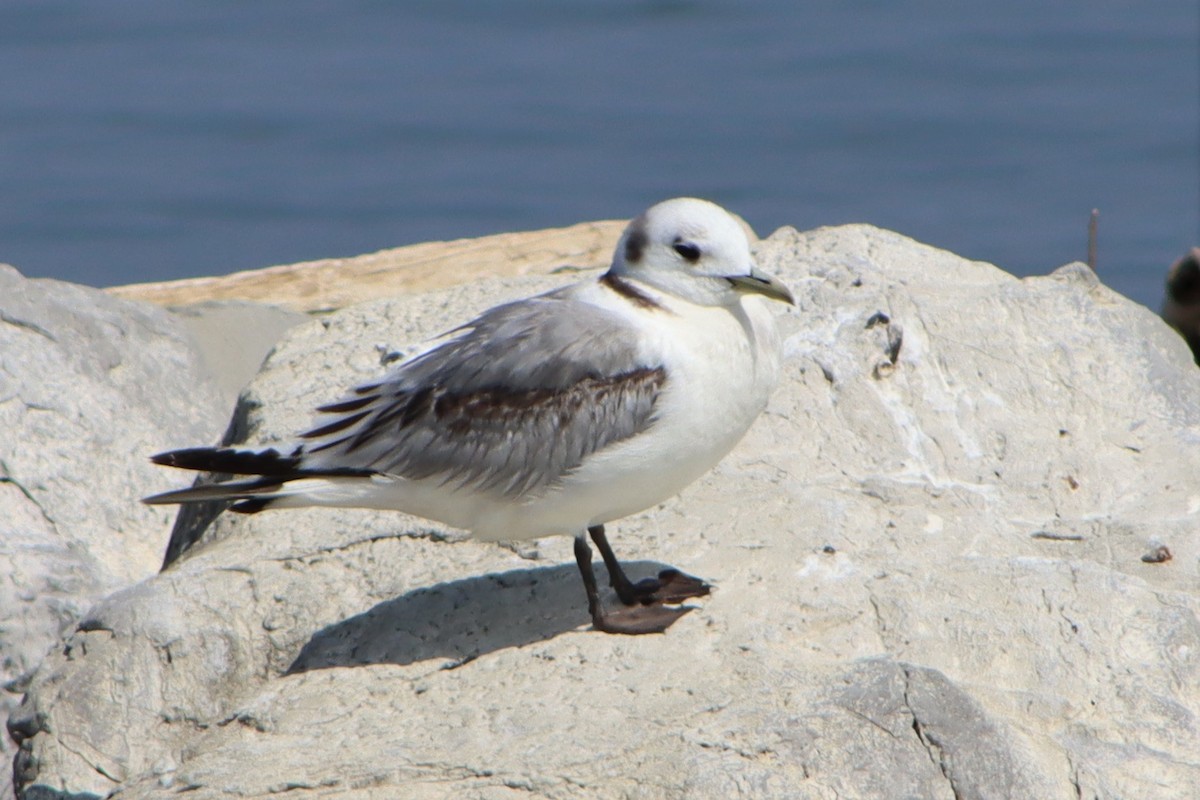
(929, 558)
(89, 385)
(233, 338)
(338, 282)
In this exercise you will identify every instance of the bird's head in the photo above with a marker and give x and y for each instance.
(695, 250)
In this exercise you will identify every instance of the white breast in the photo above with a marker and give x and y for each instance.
(722, 365)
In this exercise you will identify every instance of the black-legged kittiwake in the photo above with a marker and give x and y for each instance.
(554, 414)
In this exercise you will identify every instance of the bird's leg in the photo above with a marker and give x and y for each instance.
(671, 585)
(633, 620)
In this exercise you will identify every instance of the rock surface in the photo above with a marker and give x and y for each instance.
(233, 338)
(338, 282)
(89, 385)
(941, 557)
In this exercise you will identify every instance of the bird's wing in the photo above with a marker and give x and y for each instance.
(517, 400)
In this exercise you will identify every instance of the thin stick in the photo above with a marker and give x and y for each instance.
(1092, 223)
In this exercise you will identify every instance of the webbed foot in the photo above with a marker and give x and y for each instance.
(671, 586)
(638, 619)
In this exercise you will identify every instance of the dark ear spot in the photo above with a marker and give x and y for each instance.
(689, 251)
(635, 243)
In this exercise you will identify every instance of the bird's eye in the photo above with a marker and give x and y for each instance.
(689, 251)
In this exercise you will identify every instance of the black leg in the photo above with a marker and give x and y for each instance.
(635, 620)
(583, 557)
(671, 585)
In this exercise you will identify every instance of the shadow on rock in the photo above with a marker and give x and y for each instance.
(459, 620)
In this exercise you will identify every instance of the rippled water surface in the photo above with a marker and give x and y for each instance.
(154, 140)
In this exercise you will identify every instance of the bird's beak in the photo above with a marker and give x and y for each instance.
(762, 283)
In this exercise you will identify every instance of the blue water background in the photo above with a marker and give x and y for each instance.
(148, 140)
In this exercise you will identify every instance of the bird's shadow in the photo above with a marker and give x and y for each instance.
(459, 620)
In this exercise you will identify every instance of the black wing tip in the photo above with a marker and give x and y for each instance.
(196, 458)
(250, 495)
(166, 458)
(178, 498)
(226, 459)
(190, 457)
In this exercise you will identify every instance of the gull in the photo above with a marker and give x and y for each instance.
(551, 415)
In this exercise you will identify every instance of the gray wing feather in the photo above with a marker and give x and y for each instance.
(519, 399)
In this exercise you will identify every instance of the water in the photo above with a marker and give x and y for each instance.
(155, 139)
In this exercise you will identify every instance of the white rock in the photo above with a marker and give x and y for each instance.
(89, 385)
(233, 337)
(928, 554)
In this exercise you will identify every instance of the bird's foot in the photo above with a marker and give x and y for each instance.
(646, 602)
(638, 619)
(671, 586)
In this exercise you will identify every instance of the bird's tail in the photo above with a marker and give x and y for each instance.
(276, 478)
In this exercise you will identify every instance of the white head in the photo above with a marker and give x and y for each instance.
(695, 250)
